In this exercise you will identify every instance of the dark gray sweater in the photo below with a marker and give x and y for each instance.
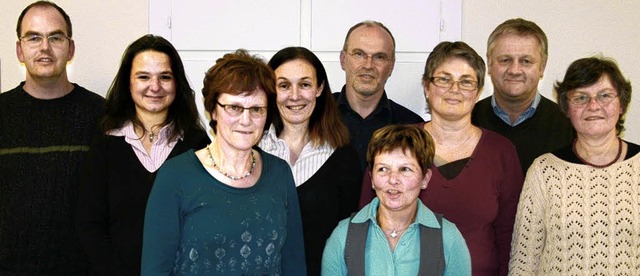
(42, 143)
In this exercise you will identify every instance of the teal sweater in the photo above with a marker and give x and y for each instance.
(195, 224)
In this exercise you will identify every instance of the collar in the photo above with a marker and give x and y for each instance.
(130, 135)
(270, 140)
(424, 216)
(384, 102)
(523, 117)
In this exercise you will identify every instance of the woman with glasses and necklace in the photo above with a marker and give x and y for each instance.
(308, 133)
(229, 208)
(150, 117)
(578, 212)
(476, 177)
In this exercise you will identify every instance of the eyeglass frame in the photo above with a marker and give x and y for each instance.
(262, 110)
(360, 57)
(599, 97)
(451, 82)
(41, 37)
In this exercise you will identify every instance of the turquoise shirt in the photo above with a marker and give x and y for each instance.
(380, 260)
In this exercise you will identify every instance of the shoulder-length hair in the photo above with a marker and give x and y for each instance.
(325, 123)
(120, 108)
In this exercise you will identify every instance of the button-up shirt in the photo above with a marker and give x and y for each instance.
(405, 259)
(387, 112)
(523, 117)
(309, 162)
(160, 149)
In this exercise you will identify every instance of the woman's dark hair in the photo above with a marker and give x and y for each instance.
(120, 108)
(325, 123)
(587, 71)
(238, 73)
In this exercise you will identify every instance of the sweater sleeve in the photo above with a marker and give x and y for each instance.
(162, 225)
(528, 234)
(293, 258)
(92, 215)
(511, 186)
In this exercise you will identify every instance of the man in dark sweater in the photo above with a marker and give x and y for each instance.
(46, 124)
(516, 57)
(368, 58)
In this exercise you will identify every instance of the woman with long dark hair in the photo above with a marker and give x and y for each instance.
(150, 116)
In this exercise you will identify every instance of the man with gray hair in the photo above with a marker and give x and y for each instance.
(368, 58)
(517, 52)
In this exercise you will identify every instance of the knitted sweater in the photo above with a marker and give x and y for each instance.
(42, 142)
(546, 131)
(574, 219)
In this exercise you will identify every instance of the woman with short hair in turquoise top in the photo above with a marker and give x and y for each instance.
(399, 225)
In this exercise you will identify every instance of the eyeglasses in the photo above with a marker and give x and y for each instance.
(35, 40)
(377, 59)
(463, 84)
(581, 99)
(235, 110)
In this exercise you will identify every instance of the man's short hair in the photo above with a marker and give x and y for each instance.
(369, 23)
(521, 27)
(66, 17)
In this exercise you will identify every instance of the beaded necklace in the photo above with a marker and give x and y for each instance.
(215, 166)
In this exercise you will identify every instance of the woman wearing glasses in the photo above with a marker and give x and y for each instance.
(230, 208)
(150, 117)
(308, 133)
(476, 175)
(578, 213)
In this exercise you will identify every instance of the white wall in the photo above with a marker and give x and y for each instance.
(101, 30)
(575, 28)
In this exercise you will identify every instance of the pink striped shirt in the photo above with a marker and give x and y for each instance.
(160, 149)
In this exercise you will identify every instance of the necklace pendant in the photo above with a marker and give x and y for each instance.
(151, 137)
(393, 233)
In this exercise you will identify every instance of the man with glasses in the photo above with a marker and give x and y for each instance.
(368, 58)
(46, 124)
(517, 52)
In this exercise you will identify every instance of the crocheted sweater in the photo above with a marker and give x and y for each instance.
(574, 219)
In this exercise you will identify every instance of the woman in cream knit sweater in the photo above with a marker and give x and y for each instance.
(579, 209)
